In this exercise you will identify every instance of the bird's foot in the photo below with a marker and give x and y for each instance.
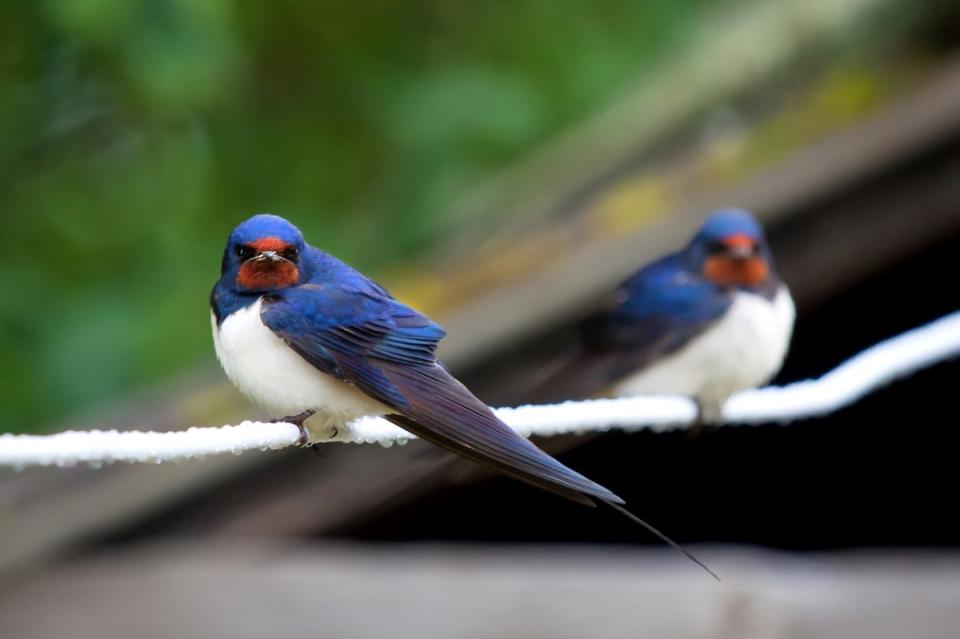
(298, 420)
(708, 418)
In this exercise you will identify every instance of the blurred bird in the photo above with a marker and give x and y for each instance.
(705, 322)
(305, 335)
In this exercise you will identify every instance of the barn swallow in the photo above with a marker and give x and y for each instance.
(705, 322)
(305, 335)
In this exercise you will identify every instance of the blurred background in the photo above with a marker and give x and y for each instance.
(499, 166)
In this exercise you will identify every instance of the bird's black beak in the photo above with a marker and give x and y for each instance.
(741, 252)
(268, 256)
(739, 247)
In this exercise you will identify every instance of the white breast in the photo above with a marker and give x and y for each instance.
(273, 375)
(744, 349)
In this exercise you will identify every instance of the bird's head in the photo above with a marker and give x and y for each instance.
(263, 253)
(730, 249)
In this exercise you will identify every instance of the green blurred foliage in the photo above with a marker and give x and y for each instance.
(134, 135)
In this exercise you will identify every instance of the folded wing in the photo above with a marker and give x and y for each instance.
(389, 351)
(651, 315)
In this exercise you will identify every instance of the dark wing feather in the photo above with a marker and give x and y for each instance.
(389, 351)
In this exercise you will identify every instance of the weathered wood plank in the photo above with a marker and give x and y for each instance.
(198, 590)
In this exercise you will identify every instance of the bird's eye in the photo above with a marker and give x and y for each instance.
(716, 247)
(291, 253)
(244, 252)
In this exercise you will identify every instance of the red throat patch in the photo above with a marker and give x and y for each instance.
(728, 271)
(261, 276)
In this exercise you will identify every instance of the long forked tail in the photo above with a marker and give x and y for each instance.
(534, 477)
(662, 537)
(442, 411)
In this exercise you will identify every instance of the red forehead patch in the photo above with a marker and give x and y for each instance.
(269, 244)
(727, 271)
(738, 239)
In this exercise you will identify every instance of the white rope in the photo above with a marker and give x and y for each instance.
(862, 374)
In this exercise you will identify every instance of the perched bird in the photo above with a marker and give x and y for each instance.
(706, 322)
(305, 335)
